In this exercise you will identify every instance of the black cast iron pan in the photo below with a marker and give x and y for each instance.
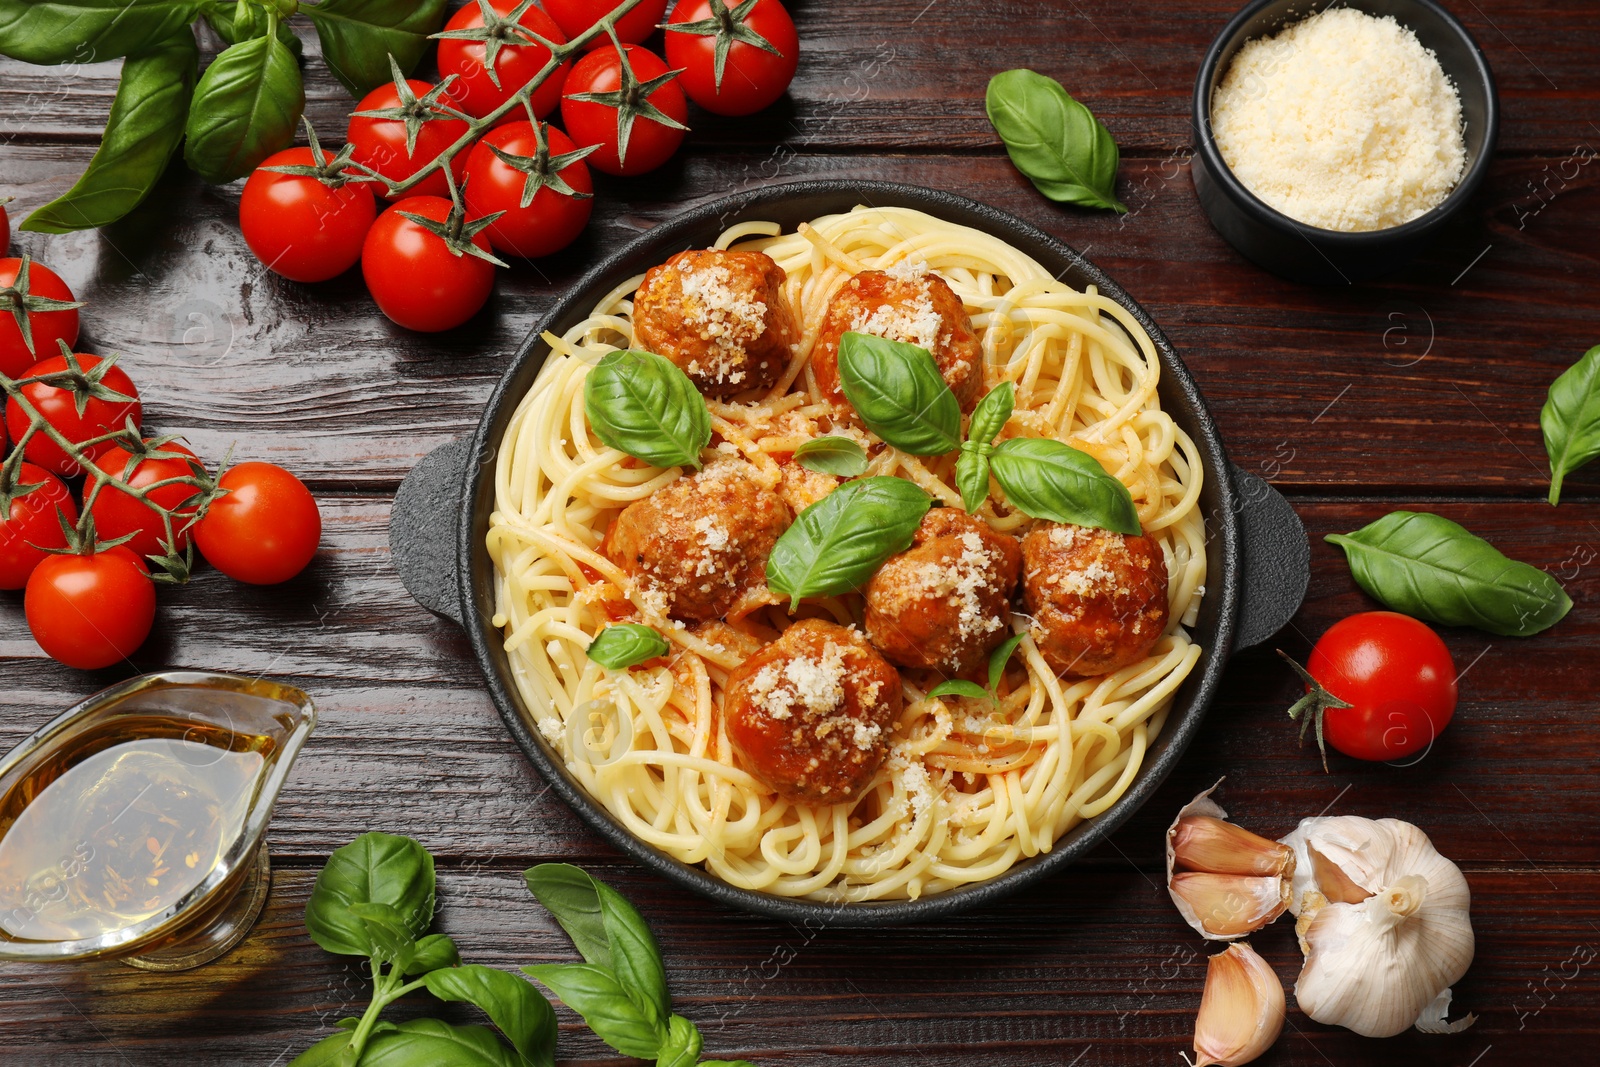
(1258, 560)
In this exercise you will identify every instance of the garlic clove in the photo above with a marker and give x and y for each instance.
(1222, 906)
(1332, 882)
(1241, 1011)
(1206, 843)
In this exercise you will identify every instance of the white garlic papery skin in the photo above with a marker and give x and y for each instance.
(1376, 965)
(1241, 1011)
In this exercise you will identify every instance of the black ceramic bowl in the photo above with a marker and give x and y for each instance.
(1257, 555)
(1308, 253)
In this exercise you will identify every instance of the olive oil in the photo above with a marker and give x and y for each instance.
(121, 824)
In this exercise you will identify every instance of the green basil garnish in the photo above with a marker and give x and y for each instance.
(596, 994)
(1047, 479)
(972, 466)
(76, 31)
(359, 36)
(1571, 419)
(899, 393)
(513, 1005)
(1000, 657)
(836, 544)
(960, 687)
(626, 644)
(642, 404)
(1056, 142)
(246, 107)
(1426, 566)
(373, 869)
(838, 456)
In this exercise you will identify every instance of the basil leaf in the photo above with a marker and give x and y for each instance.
(324, 1053)
(568, 893)
(524, 1016)
(594, 993)
(642, 404)
(142, 132)
(837, 543)
(359, 36)
(899, 393)
(960, 687)
(1047, 479)
(1056, 142)
(999, 658)
(219, 15)
(838, 456)
(972, 466)
(683, 1044)
(1571, 419)
(1426, 566)
(89, 31)
(430, 1043)
(374, 868)
(387, 933)
(245, 108)
(626, 644)
(972, 475)
(991, 414)
(433, 952)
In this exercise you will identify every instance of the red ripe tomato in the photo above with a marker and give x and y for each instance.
(116, 512)
(48, 327)
(90, 611)
(516, 61)
(552, 220)
(58, 405)
(417, 279)
(1396, 675)
(752, 77)
(33, 525)
(648, 142)
(380, 143)
(301, 227)
(265, 530)
(575, 16)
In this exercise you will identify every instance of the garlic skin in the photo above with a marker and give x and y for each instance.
(1225, 881)
(1377, 965)
(1241, 1011)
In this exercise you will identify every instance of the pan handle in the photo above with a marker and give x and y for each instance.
(1277, 560)
(422, 528)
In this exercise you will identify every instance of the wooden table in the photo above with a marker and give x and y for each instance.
(1422, 391)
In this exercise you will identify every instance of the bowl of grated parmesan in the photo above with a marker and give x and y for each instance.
(1336, 139)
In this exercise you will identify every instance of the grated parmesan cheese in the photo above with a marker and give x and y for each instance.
(815, 683)
(1343, 121)
(728, 316)
(917, 323)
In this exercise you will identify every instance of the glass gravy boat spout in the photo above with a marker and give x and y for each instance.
(131, 825)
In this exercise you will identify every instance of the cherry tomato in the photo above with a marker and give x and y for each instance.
(415, 277)
(575, 16)
(58, 405)
(33, 525)
(116, 512)
(380, 143)
(265, 530)
(752, 77)
(301, 227)
(515, 64)
(1397, 676)
(650, 143)
(90, 611)
(552, 220)
(49, 327)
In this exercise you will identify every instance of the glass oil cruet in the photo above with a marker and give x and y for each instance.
(131, 825)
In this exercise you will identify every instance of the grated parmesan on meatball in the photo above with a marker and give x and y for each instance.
(1098, 598)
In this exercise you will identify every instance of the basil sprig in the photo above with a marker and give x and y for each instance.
(972, 466)
(642, 404)
(626, 644)
(246, 107)
(1426, 566)
(1047, 479)
(1571, 419)
(899, 393)
(839, 542)
(1056, 142)
(838, 456)
(960, 687)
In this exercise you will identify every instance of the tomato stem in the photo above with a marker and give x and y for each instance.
(1313, 706)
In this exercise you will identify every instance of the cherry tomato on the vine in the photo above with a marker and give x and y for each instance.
(116, 512)
(59, 407)
(1396, 675)
(751, 77)
(265, 530)
(300, 226)
(575, 16)
(48, 327)
(413, 273)
(379, 142)
(516, 60)
(90, 611)
(555, 216)
(33, 525)
(631, 97)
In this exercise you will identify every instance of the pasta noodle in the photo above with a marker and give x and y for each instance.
(968, 789)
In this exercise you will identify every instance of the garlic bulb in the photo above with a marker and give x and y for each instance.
(1241, 1011)
(1225, 880)
(1383, 924)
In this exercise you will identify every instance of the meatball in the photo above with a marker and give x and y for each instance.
(1098, 598)
(810, 714)
(699, 544)
(943, 602)
(918, 308)
(720, 316)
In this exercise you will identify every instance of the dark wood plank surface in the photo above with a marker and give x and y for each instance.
(1421, 390)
